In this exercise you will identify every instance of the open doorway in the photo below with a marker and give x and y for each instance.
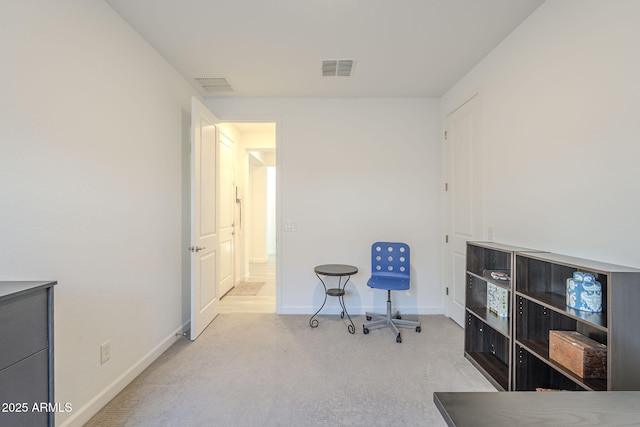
(255, 218)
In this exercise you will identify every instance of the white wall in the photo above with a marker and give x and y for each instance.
(257, 209)
(352, 171)
(271, 210)
(560, 102)
(91, 187)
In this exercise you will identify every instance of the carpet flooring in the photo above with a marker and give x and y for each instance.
(274, 370)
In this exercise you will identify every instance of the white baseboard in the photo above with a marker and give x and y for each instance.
(84, 414)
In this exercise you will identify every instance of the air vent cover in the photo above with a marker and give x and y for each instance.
(337, 67)
(214, 84)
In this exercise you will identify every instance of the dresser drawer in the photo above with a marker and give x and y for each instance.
(22, 385)
(23, 326)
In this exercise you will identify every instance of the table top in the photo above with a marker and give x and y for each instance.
(579, 408)
(14, 288)
(336, 270)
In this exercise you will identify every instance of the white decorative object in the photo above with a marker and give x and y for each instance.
(497, 300)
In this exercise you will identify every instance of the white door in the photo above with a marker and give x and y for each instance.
(227, 215)
(463, 194)
(204, 219)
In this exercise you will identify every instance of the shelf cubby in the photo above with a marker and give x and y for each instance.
(486, 256)
(535, 373)
(546, 283)
(489, 350)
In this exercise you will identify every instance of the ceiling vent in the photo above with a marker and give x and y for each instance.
(214, 84)
(337, 67)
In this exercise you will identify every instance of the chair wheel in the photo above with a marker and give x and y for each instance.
(418, 329)
(365, 330)
(342, 314)
(399, 317)
(368, 317)
(399, 338)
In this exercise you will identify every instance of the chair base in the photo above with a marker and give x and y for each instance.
(389, 320)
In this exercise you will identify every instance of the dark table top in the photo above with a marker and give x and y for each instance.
(13, 288)
(336, 270)
(561, 408)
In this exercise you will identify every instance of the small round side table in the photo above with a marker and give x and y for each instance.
(340, 271)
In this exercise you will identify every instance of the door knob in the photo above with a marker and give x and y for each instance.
(196, 248)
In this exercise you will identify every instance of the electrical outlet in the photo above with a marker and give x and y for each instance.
(105, 352)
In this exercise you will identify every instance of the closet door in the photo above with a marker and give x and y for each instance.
(463, 201)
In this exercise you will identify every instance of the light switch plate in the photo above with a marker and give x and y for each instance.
(289, 226)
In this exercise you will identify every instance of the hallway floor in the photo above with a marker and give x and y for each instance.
(265, 301)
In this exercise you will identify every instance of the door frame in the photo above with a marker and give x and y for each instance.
(278, 123)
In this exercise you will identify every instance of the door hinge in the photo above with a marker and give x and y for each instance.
(446, 186)
(445, 135)
(446, 290)
(446, 238)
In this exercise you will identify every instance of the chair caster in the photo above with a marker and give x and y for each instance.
(368, 317)
(342, 314)
(365, 330)
(418, 329)
(398, 317)
(398, 339)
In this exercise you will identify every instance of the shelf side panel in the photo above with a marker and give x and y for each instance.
(624, 338)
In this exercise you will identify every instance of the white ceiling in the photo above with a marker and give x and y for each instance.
(255, 127)
(276, 47)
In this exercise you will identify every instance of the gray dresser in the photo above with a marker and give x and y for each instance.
(26, 353)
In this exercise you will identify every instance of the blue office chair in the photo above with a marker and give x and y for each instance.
(389, 270)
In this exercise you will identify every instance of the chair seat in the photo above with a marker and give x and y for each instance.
(388, 282)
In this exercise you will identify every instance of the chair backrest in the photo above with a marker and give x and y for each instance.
(390, 259)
